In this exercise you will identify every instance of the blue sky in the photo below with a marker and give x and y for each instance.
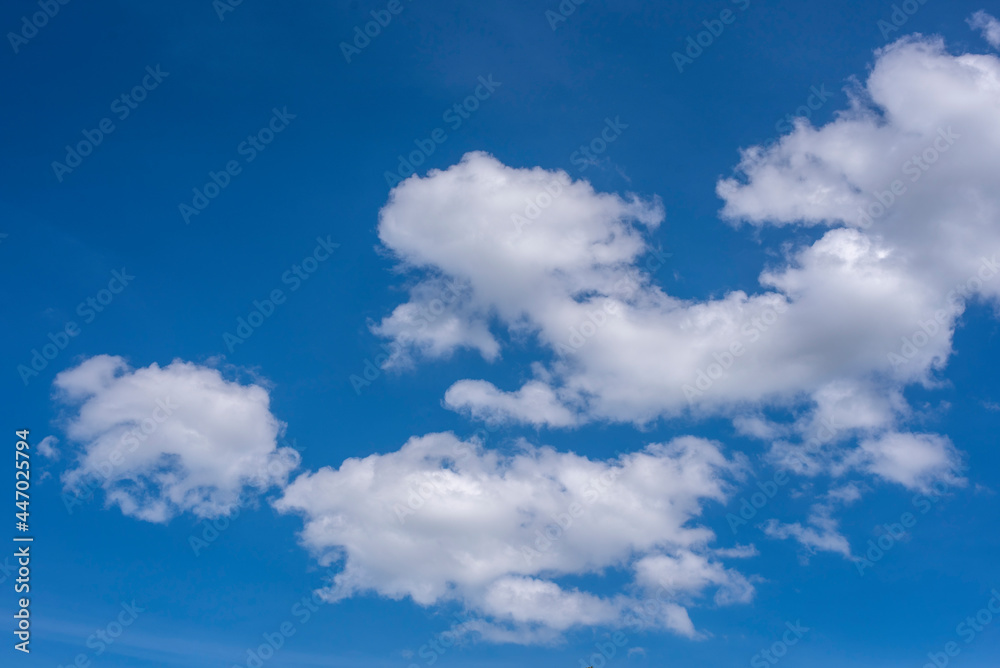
(310, 213)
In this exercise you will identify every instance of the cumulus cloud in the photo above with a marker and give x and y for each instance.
(905, 181)
(164, 440)
(438, 319)
(445, 520)
(535, 403)
(988, 26)
(910, 167)
(915, 461)
(910, 164)
(901, 189)
(691, 573)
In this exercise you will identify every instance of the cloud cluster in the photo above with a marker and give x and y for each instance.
(845, 322)
(901, 189)
(164, 440)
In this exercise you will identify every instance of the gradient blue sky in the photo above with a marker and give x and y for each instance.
(323, 176)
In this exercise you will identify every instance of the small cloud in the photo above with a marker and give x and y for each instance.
(821, 534)
(988, 26)
(636, 651)
(47, 447)
(845, 494)
(737, 552)
(757, 427)
(910, 459)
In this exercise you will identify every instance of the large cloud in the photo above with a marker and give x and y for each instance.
(445, 520)
(162, 440)
(906, 179)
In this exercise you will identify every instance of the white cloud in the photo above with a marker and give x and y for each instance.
(437, 320)
(912, 460)
(925, 119)
(163, 440)
(845, 494)
(689, 573)
(839, 327)
(47, 447)
(988, 26)
(820, 534)
(525, 601)
(905, 180)
(535, 403)
(445, 520)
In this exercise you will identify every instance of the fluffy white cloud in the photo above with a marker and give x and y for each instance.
(902, 187)
(691, 573)
(535, 403)
(926, 122)
(163, 440)
(437, 319)
(905, 179)
(913, 460)
(446, 520)
(988, 26)
(911, 167)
